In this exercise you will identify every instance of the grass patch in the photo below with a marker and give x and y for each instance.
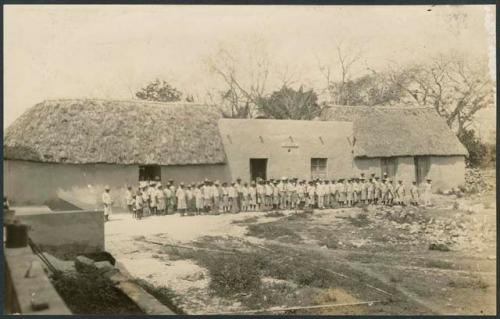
(442, 264)
(274, 214)
(249, 220)
(164, 295)
(90, 293)
(361, 220)
(475, 283)
(273, 231)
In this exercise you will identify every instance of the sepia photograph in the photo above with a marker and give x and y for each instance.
(249, 159)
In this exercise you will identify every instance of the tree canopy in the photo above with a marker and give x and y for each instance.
(288, 103)
(159, 90)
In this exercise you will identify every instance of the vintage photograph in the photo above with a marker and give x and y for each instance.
(249, 159)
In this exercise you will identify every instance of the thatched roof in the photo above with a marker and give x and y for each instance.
(393, 131)
(118, 132)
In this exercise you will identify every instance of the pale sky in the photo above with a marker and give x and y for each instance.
(58, 51)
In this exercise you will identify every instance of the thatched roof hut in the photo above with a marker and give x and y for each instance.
(119, 132)
(393, 131)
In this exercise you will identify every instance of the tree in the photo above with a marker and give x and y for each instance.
(457, 88)
(479, 154)
(288, 103)
(244, 74)
(159, 90)
(347, 55)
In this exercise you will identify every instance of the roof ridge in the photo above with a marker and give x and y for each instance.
(124, 100)
(381, 107)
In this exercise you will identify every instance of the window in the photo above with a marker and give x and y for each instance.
(318, 168)
(389, 165)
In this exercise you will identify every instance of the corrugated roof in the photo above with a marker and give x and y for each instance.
(393, 131)
(112, 131)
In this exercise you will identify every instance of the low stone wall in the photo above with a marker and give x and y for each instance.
(27, 286)
(65, 234)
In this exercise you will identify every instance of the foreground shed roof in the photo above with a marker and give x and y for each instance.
(393, 131)
(118, 132)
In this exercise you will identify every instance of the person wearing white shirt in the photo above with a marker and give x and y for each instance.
(107, 202)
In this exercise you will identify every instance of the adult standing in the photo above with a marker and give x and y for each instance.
(107, 202)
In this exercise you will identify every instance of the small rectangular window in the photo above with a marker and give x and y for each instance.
(318, 168)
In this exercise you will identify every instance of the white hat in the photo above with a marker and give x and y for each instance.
(106, 187)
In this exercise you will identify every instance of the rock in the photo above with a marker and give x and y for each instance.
(110, 273)
(115, 277)
(439, 247)
(103, 266)
(84, 264)
(194, 277)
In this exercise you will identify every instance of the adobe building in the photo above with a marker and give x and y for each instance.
(73, 148)
(408, 143)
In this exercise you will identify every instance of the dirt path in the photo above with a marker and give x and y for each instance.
(385, 256)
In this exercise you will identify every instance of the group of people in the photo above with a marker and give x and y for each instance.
(152, 198)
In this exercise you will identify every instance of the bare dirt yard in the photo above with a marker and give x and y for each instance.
(363, 260)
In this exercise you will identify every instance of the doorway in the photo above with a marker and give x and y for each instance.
(258, 168)
(422, 167)
(150, 173)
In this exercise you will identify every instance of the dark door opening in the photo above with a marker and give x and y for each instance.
(150, 173)
(258, 168)
(422, 167)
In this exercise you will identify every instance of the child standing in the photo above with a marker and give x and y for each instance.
(244, 199)
(415, 194)
(252, 193)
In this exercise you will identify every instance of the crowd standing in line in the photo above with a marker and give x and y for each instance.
(152, 198)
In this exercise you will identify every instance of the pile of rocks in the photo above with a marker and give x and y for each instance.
(414, 226)
(475, 182)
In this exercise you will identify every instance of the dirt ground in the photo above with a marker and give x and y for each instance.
(364, 260)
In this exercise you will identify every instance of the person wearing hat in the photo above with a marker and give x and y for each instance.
(400, 193)
(138, 205)
(160, 198)
(311, 194)
(383, 191)
(189, 200)
(259, 190)
(153, 203)
(207, 196)
(349, 193)
(107, 202)
(370, 191)
(180, 194)
(364, 191)
(377, 190)
(244, 199)
(145, 200)
(173, 190)
(390, 192)
(216, 197)
(224, 193)
(168, 199)
(291, 191)
(427, 192)
(198, 198)
(129, 199)
(276, 195)
(268, 195)
(282, 188)
(233, 198)
(356, 191)
(301, 194)
(252, 195)
(414, 194)
(239, 191)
